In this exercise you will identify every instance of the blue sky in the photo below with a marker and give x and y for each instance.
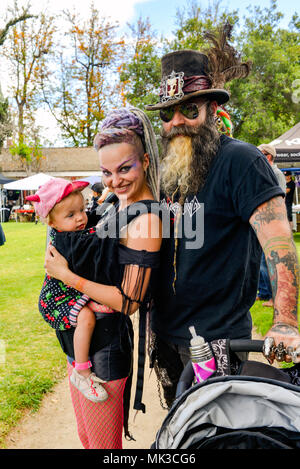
(162, 12)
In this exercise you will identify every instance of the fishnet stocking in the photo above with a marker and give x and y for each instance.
(100, 425)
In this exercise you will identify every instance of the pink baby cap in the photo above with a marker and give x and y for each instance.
(52, 192)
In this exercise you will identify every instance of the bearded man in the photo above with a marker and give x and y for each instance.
(213, 287)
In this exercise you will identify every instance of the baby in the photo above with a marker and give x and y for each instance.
(61, 204)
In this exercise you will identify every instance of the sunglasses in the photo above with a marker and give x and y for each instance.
(188, 110)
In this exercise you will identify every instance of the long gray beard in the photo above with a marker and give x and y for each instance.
(205, 143)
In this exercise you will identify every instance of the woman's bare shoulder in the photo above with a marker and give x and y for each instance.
(143, 233)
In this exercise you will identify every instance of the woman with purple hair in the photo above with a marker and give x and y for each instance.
(113, 268)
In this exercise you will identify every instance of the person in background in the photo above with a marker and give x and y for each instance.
(264, 284)
(2, 236)
(289, 198)
(97, 189)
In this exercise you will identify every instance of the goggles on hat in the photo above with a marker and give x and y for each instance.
(188, 110)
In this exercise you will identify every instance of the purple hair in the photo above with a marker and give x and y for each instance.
(119, 126)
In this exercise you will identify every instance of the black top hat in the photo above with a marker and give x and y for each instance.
(185, 75)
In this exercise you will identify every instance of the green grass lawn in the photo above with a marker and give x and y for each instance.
(33, 360)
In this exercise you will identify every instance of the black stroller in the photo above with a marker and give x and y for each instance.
(245, 405)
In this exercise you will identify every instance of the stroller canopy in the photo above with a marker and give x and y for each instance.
(233, 412)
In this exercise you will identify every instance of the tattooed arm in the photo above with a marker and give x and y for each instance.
(272, 229)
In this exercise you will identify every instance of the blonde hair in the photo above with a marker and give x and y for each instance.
(178, 162)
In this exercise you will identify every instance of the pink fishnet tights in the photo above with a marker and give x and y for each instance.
(100, 425)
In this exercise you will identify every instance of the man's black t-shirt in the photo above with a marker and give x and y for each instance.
(216, 284)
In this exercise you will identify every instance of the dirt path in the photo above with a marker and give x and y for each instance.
(54, 427)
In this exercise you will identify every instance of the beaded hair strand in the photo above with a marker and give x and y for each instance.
(151, 148)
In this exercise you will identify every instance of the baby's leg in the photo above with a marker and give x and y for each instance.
(82, 377)
(86, 321)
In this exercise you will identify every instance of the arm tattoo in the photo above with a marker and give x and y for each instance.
(271, 210)
(279, 242)
(282, 262)
(284, 329)
(270, 224)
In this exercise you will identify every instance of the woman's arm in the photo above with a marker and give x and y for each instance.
(145, 234)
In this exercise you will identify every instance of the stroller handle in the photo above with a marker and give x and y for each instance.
(246, 345)
(235, 345)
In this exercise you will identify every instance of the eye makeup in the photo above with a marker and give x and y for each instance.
(121, 166)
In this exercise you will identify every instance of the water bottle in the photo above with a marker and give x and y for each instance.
(202, 358)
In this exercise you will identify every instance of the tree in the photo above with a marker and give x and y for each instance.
(140, 70)
(80, 94)
(5, 120)
(27, 43)
(30, 154)
(192, 22)
(4, 32)
(261, 106)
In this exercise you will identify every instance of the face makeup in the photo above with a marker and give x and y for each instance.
(123, 172)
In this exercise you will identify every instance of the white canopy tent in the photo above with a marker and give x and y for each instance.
(31, 183)
(91, 179)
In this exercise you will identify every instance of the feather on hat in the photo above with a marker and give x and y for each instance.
(188, 73)
(224, 60)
